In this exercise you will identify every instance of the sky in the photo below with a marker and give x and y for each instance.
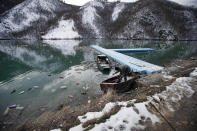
(82, 2)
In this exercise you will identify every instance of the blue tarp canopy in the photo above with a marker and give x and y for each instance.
(135, 65)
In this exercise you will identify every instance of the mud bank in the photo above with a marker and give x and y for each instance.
(148, 88)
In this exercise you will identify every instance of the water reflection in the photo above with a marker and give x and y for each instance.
(17, 57)
(50, 57)
(25, 64)
(66, 47)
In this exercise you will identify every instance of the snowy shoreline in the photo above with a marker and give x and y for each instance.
(174, 93)
(141, 104)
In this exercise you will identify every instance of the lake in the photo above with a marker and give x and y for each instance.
(41, 69)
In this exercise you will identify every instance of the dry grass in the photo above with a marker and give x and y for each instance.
(130, 105)
(90, 122)
(109, 96)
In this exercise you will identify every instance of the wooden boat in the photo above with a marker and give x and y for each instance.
(120, 86)
(103, 63)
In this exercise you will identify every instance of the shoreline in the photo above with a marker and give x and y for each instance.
(69, 115)
(97, 39)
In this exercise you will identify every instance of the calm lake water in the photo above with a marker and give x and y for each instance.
(28, 64)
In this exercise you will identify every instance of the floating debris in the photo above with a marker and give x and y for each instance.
(61, 77)
(89, 101)
(49, 75)
(21, 92)
(86, 88)
(28, 78)
(12, 106)
(36, 87)
(100, 102)
(77, 84)
(6, 112)
(83, 92)
(19, 108)
(30, 89)
(13, 91)
(63, 87)
(70, 96)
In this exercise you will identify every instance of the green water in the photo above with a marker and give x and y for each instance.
(25, 64)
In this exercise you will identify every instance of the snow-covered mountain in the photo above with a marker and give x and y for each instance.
(30, 18)
(144, 19)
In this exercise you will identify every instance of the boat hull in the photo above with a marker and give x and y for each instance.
(114, 84)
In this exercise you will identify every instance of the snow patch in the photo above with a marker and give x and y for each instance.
(108, 108)
(93, 4)
(186, 2)
(65, 30)
(117, 10)
(194, 73)
(90, 15)
(128, 117)
(177, 90)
